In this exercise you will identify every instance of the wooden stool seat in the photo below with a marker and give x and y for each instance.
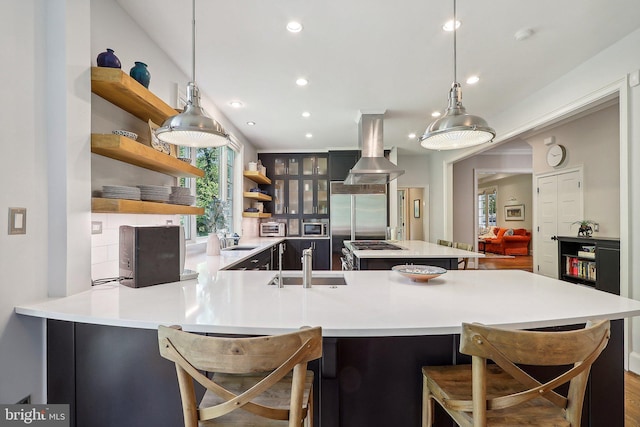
(454, 383)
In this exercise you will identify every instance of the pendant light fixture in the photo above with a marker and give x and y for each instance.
(456, 129)
(193, 127)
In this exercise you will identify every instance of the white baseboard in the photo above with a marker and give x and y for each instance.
(634, 362)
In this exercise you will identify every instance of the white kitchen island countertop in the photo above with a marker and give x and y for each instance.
(372, 304)
(415, 249)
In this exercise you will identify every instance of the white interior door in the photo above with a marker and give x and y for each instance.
(546, 248)
(559, 204)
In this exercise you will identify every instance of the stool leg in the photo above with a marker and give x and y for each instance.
(427, 404)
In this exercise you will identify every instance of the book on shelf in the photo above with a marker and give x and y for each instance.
(580, 268)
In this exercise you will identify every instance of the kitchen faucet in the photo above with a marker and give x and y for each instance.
(307, 259)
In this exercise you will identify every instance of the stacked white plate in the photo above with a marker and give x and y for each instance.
(154, 193)
(120, 192)
(181, 196)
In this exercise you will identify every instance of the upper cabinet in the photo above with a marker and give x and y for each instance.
(341, 162)
(300, 187)
(121, 90)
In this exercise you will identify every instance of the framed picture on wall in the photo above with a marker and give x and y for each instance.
(514, 213)
(416, 208)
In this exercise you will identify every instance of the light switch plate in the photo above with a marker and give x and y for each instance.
(96, 227)
(634, 78)
(17, 221)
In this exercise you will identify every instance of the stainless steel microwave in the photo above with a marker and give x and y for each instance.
(272, 229)
(317, 229)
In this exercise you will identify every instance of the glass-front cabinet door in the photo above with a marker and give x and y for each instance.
(315, 165)
(315, 197)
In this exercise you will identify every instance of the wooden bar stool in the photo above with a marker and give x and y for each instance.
(261, 381)
(503, 394)
(465, 247)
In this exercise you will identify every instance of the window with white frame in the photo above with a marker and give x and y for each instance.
(219, 166)
(487, 208)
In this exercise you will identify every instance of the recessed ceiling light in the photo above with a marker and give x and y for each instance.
(236, 104)
(448, 26)
(294, 27)
(251, 123)
(435, 114)
(306, 114)
(309, 135)
(473, 80)
(412, 135)
(302, 81)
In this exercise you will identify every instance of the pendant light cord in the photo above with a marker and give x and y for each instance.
(455, 30)
(193, 44)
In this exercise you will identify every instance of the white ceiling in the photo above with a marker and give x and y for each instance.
(373, 54)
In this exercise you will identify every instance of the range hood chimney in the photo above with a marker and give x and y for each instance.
(373, 167)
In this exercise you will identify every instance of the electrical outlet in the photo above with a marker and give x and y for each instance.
(169, 222)
(596, 227)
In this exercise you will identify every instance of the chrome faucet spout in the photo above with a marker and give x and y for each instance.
(307, 260)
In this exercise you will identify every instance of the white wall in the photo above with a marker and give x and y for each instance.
(597, 77)
(591, 141)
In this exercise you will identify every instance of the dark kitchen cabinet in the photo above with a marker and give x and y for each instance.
(263, 260)
(292, 258)
(340, 162)
(299, 187)
(590, 261)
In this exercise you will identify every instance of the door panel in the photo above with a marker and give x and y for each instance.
(559, 205)
(547, 249)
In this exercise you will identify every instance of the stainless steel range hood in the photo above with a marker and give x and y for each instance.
(373, 167)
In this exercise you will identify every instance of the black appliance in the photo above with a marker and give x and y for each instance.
(374, 245)
(149, 255)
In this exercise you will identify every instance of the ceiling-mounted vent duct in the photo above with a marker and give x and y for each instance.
(373, 167)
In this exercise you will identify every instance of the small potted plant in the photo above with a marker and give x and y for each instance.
(585, 229)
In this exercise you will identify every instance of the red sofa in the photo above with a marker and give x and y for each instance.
(517, 244)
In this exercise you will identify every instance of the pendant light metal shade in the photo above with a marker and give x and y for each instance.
(456, 129)
(193, 127)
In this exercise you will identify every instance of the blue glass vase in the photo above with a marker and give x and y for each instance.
(141, 74)
(108, 59)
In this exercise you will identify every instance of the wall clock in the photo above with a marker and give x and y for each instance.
(556, 155)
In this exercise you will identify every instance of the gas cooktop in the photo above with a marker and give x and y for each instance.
(374, 245)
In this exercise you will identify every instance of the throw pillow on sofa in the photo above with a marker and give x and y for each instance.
(509, 232)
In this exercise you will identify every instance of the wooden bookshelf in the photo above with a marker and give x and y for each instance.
(120, 89)
(257, 177)
(257, 196)
(256, 215)
(129, 151)
(103, 205)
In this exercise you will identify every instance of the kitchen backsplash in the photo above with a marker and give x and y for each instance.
(105, 247)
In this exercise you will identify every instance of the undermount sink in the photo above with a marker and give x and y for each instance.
(239, 248)
(319, 279)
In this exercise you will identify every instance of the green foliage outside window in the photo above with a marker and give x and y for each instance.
(208, 187)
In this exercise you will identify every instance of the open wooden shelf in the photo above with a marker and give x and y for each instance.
(256, 215)
(103, 205)
(129, 151)
(256, 196)
(120, 89)
(257, 177)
